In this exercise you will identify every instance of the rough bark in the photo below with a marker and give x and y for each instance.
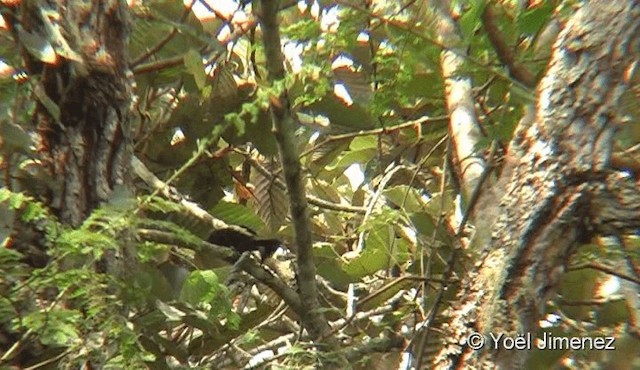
(76, 57)
(84, 97)
(561, 189)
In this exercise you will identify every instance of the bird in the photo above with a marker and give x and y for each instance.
(243, 239)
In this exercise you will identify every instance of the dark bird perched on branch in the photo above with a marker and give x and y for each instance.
(244, 240)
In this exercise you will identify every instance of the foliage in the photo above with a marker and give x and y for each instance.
(201, 123)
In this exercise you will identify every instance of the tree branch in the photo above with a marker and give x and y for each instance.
(503, 50)
(615, 205)
(606, 269)
(277, 285)
(463, 124)
(171, 193)
(376, 131)
(284, 127)
(164, 237)
(285, 292)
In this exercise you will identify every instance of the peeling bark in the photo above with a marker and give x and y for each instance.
(83, 105)
(78, 71)
(561, 189)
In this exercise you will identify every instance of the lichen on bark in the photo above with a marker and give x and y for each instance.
(560, 189)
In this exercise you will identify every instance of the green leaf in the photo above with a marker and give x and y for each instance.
(379, 299)
(237, 214)
(613, 313)
(170, 312)
(14, 138)
(342, 117)
(382, 250)
(354, 156)
(328, 266)
(364, 142)
(368, 263)
(37, 45)
(193, 63)
(57, 327)
(326, 154)
(201, 287)
(532, 20)
(404, 197)
(470, 20)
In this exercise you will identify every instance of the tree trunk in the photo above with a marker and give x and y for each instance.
(561, 190)
(84, 96)
(76, 56)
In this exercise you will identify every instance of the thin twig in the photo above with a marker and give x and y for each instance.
(450, 264)
(164, 41)
(178, 60)
(414, 32)
(605, 269)
(377, 131)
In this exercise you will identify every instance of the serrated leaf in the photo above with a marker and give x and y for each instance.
(237, 214)
(270, 202)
